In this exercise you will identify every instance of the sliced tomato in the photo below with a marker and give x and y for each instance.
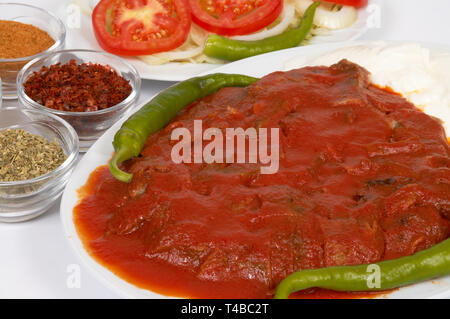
(353, 3)
(140, 27)
(235, 17)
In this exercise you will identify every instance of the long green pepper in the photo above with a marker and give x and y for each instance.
(223, 48)
(426, 264)
(131, 137)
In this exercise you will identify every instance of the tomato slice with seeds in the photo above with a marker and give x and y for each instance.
(141, 27)
(235, 17)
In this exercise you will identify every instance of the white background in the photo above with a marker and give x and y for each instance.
(35, 257)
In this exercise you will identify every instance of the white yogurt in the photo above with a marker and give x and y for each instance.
(420, 75)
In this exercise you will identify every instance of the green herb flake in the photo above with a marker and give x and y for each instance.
(25, 156)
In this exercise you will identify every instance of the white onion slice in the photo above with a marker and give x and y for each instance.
(202, 58)
(174, 55)
(198, 34)
(184, 52)
(286, 16)
(84, 6)
(93, 4)
(327, 17)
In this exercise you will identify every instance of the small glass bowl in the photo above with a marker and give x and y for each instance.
(89, 125)
(24, 200)
(37, 17)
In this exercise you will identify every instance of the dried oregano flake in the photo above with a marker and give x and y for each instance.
(24, 155)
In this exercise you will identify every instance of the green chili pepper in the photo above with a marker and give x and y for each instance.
(426, 264)
(231, 50)
(131, 137)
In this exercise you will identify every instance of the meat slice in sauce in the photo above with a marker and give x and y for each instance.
(364, 176)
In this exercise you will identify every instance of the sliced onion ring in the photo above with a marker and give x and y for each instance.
(185, 52)
(198, 34)
(326, 17)
(286, 16)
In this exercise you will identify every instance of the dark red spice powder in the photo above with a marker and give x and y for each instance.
(77, 87)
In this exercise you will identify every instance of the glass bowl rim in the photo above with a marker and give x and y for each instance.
(68, 163)
(58, 42)
(130, 98)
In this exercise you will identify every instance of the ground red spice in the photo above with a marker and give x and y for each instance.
(19, 40)
(76, 87)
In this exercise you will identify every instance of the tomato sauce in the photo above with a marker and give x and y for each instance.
(363, 176)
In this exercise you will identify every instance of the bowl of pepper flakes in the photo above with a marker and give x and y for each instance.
(89, 89)
(26, 32)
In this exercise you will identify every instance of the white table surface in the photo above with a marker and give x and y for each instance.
(35, 258)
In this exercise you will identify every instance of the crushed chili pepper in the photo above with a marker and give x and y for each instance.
(77, 87)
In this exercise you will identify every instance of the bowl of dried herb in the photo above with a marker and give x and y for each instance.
(38, 152)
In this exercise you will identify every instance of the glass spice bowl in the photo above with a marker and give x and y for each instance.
(27, 199)
(89, 125)
(44, 20)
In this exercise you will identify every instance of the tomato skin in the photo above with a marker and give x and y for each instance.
(124, 44)
(353, 3)
(224, 25)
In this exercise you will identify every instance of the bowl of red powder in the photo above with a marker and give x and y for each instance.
(89, 89)
(26, 32)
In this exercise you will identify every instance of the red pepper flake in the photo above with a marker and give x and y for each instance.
(76, 87)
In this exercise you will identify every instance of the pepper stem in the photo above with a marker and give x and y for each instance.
(118, 158)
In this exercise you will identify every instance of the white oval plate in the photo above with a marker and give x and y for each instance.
(83, 37)
(102, 150)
